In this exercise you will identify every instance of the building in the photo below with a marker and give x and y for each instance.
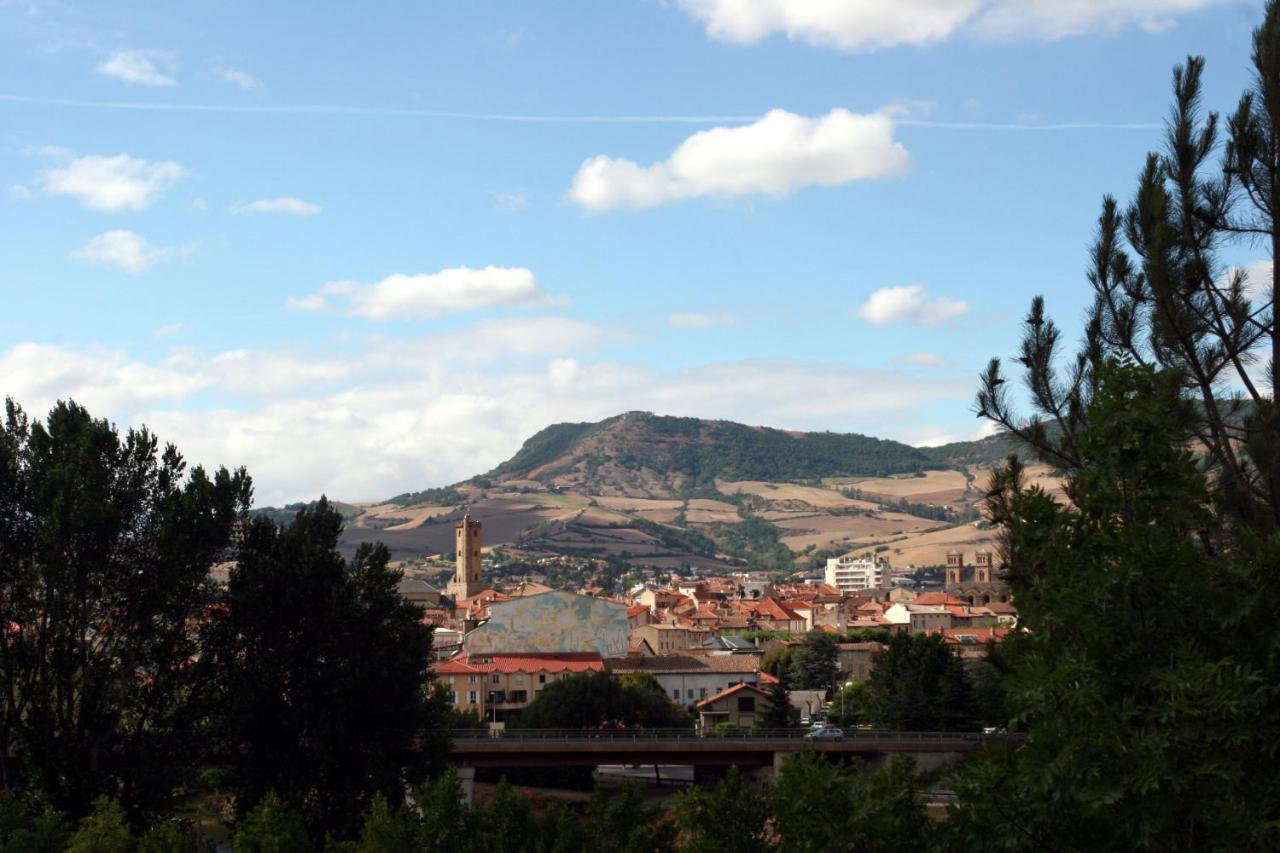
(741, 705)
(665, 639)
(495, 686)
(552, 623)
(979, 584)
(855, 660)
(418, 591)
(466, 576)
(853, 572)
(691, 678)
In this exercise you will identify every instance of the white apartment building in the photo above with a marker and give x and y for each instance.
(853, 572)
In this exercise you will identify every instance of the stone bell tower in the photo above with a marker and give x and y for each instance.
(466, 577)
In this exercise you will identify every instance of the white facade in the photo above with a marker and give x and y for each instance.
(851, 573)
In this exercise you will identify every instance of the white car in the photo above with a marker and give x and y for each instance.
(826, 733)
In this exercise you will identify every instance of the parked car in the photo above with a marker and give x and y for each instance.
(825, 733)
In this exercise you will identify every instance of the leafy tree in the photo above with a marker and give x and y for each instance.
(448, 827)
(559, 830)
(105, 548)
(103, 831)
(819, 807)
(732, 818)
(308, 650)
(506, 826)
(165, 837)
(388, 829)
(271, 827)
(815, 664)
(777, 662)
(851, 704)
(918, 684)
(622, 823)
(24, 830)
(596, 700)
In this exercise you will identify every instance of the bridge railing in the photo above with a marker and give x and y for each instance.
(533, 736)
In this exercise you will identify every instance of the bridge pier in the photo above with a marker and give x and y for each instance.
(467, 778)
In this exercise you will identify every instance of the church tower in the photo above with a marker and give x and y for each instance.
(466, 577)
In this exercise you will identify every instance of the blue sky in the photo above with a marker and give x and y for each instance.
(365, 248)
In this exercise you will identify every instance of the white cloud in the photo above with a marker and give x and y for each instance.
(18, 192)
(510, 201)
(125, 250)
(910, 303)
(701, 320)
(776, 156)
(313, 302)
(402, 296)
(167, 330)
(138, 67)
(285, 204)
(843, 24)
(199, 204)
(236, 77)
(864, 25)
(922, 359)
(112, 184)
(386, 417)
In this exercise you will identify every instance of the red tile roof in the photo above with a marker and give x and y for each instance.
(737, 688)
(506, 663)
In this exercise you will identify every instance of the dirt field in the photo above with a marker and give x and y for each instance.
(930, 549)
(638, 504)
(829, 531)
(933, 487)
(811, 495)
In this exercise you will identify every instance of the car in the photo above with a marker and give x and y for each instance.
(825, 733)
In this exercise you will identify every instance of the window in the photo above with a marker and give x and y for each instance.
(471, 679)
(471, 697)
(702, 693)
(496, 679)
(746, 704)
(675, 694)
(520, 696)
(542, 678)
(497, 697)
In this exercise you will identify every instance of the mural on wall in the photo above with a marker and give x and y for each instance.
(553, 622)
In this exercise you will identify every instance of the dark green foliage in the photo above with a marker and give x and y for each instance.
(983, 453)
(271, 827)
(814, 664)
(819, 807)
(731, 818)
(27, 830)
(850, 706)
(308, 651)
(448, 826)
(165, 837)
(285, 515)
(757, 541)
(505, 826)
(1147, 679)
(544, 446)
(700, 451)
(444, 496)
(596, 700)
(105, 548)
(683, 541)
(918, 684)
(623, 823)
(778, 713)
(103, 831)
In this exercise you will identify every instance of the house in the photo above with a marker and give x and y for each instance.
(741, 705)
(856, 659)
(498, 685)
(665, 639)
(979, 584)
(690, 678)
(418, 591)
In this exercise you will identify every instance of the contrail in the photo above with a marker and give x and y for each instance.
(404, 112)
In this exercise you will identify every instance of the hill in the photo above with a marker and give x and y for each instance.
(645, 455)
(650, 490)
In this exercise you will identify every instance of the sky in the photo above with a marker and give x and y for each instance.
(368, 248)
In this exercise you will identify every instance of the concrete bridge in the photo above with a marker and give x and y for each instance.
(757, 753)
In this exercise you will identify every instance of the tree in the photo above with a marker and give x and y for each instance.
(814, 665)
(623, 823)
(918, 684)
(777, 713)
(506, 826)
(851, 704)
(1163, 299)
(1146, 681)
(106, 543)
(448, 826)
(732, 818)
(271, 827)
(103, 831)
(596, 700)
(819, 807)
(308, 651)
